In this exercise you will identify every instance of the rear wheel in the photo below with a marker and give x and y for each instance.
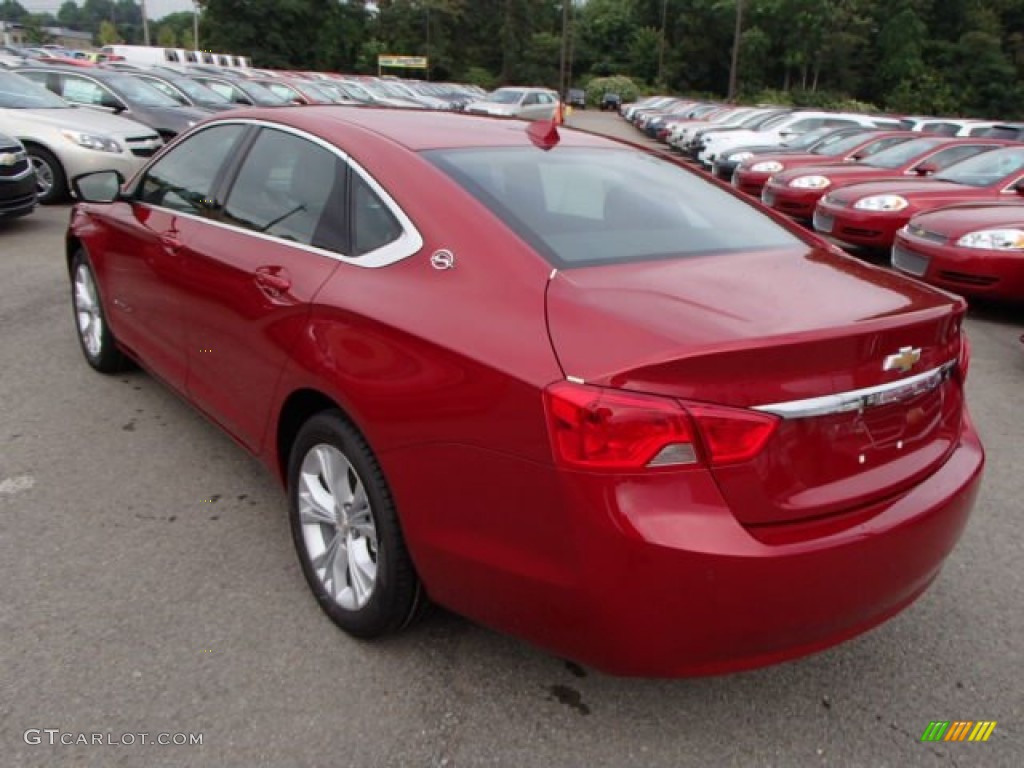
(346, 531)
(94, 336)
(51, 181)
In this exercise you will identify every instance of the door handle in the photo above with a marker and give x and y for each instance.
(170, 240)
(273, 280)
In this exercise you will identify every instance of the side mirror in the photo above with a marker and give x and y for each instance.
(926, 169)
(98, 186)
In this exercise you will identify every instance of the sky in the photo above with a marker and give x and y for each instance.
(154, 8)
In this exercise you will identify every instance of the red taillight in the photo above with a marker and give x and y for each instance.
(732, 435)
(597, 428)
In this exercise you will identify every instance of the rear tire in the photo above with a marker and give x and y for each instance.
(346, 531)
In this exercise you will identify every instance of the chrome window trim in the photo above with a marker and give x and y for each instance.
(409, 243)
(860, 399)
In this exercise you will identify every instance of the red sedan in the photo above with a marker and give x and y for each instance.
(752, 174)
(563, 386)
(870, 214)
(797, 192)
(974, 250)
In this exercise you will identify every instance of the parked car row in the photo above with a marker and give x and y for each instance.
(943, 196)
(74, 117)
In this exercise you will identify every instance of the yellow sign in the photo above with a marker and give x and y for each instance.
(406, 62)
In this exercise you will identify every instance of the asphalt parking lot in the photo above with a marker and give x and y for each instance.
(150, 587)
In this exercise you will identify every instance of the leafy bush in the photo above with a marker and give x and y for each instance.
(619, 84)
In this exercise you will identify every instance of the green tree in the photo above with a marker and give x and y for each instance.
(166, 36)
(108, 33)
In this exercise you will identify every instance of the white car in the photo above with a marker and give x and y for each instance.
(776, 131)
(63, 141)
(525, 103)
(682, 134)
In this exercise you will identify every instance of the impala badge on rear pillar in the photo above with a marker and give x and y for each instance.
(906, 359)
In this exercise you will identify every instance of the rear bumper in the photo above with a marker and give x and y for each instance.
(653, 575)
(695, 593)
(966, 271)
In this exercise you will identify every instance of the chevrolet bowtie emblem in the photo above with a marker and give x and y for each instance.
(7, 159)
(906, 359)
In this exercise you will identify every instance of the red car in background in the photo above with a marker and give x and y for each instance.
(797, 192)
(870, 214)
(751, 175)
(563, 386)
(975, 250)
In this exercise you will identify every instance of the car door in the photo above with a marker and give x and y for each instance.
(147, 275)
(284, 223)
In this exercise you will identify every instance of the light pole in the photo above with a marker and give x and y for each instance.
(195, 25)
(737, 34)
(145, 23)
(562, 85)
(661, 43)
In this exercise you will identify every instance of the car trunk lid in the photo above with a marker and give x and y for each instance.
(776, 331)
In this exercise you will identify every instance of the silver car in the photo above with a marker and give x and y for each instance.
(63, 141)
(526, 103)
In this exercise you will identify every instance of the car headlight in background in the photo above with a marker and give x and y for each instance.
(810, 182)
(739, 157)
(881, 203)
(994, 240)
(768, 166)
(92, 141)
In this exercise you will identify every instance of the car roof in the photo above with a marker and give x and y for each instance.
(414, 129)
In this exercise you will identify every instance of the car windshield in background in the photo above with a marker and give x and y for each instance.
(901, 154)
(809, 139)
(583, 207)
(259, 94)
(840, 146)
(18, 93)
(505, 97)
(199, 93)
(985, 169)
(136, 91)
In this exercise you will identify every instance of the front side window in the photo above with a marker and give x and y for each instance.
(183, 179)
(580, 206)
(82, 91)
(293, 189)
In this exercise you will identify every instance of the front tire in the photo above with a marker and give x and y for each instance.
(51, 181)
(94, 336)
(346, 530)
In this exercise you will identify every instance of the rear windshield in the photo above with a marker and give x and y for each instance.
(901, 154)
(581, 206)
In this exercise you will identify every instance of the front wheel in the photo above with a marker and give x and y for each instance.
(346, 531)
(51, 181)
(94, 335)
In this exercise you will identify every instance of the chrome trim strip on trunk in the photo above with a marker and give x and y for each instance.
(859, 399)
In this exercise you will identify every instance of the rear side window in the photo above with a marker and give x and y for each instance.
(373, 224)
(579, 206)
(183, 179)
(293, 189)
